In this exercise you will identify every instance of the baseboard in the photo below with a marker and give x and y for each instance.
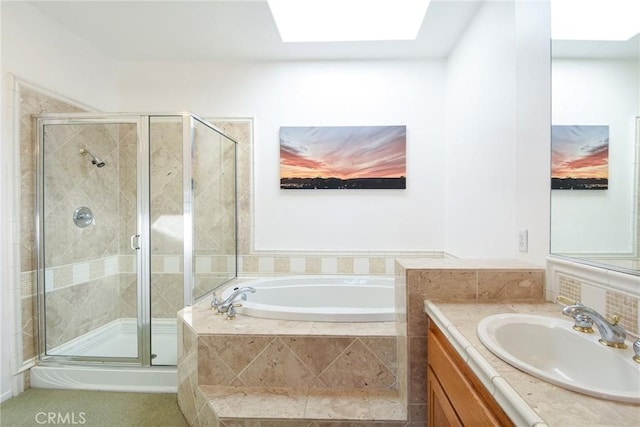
(6, 396)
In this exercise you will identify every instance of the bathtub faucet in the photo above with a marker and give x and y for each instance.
(224, 306)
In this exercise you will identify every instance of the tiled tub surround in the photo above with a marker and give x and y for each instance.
(262, 372)
(459, 280)
(266, 263)
(531, 401)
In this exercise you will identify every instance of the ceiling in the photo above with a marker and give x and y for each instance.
(211, 30)
(593, 49)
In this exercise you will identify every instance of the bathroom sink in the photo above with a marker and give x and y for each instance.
(549, 349)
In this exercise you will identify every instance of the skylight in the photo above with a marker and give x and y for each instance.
(348, 20)
(594, 19)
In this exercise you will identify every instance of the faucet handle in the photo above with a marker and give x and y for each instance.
(615, 319)
(215, 302)
(583, 323)
(636, 351)
(567, 301)
(231, 312)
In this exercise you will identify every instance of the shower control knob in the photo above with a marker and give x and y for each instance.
(83, 217)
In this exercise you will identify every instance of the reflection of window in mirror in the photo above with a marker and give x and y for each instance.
(596, 85)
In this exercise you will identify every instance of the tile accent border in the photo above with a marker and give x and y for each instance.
(606, 291)
(267, 263)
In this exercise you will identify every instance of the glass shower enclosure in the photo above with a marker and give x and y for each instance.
(136, 218)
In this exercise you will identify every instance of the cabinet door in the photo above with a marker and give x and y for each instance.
(440, 412)
(471, 402)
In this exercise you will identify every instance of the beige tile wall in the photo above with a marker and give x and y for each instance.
(91, 289)
(31, 102)
(288, 359)
(214, 180)
(297, 361)
(449, 280)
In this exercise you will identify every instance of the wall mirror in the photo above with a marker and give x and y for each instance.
(595, 141)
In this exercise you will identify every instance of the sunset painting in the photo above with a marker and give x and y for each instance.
(579, 157)
(343, 157)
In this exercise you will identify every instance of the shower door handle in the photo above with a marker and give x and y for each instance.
(135, 243)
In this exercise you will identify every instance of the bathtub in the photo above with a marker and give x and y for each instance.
(319, 298)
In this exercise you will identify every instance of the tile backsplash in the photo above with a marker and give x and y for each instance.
(606, 291)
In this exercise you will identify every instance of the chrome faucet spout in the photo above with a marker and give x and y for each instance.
(611, 334)
(238, 293)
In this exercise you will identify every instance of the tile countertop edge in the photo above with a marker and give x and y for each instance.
(510, 401)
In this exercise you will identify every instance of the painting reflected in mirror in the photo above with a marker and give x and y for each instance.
(596, 127)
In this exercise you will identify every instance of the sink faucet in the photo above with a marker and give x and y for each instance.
(224, 306)
(611, 334)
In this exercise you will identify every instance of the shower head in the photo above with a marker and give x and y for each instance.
(97, 161)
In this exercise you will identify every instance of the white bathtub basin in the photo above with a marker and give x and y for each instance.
(549, 349)
(320, 298)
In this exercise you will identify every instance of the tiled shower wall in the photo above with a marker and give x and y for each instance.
(72, 181)
(32, 102)
(90, 273)
(214, 208)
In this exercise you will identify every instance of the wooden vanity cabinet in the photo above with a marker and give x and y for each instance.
(455, 396)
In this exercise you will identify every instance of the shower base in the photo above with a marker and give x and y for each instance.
(116, 339)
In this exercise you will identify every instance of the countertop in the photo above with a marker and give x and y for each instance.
(526, 399)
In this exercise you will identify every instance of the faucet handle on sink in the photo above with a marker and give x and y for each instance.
(636, 350)
(582, 322)
(566, 301)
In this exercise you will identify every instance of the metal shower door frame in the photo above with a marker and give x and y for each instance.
(142, 225)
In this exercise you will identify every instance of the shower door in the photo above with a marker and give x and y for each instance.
(92, 213)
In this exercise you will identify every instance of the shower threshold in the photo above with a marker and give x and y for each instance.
(115, 339)
(153, 379)
(118, 338)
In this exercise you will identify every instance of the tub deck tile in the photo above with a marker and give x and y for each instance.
(269, 404)
(205, 321)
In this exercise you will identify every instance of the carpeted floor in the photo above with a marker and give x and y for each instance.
(40, 407)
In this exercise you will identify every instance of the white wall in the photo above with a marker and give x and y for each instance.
(533, 121)
(278, 94)
(6, 311)
(494, 130)
(497, 134)
(39, 51)
(598, 92)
